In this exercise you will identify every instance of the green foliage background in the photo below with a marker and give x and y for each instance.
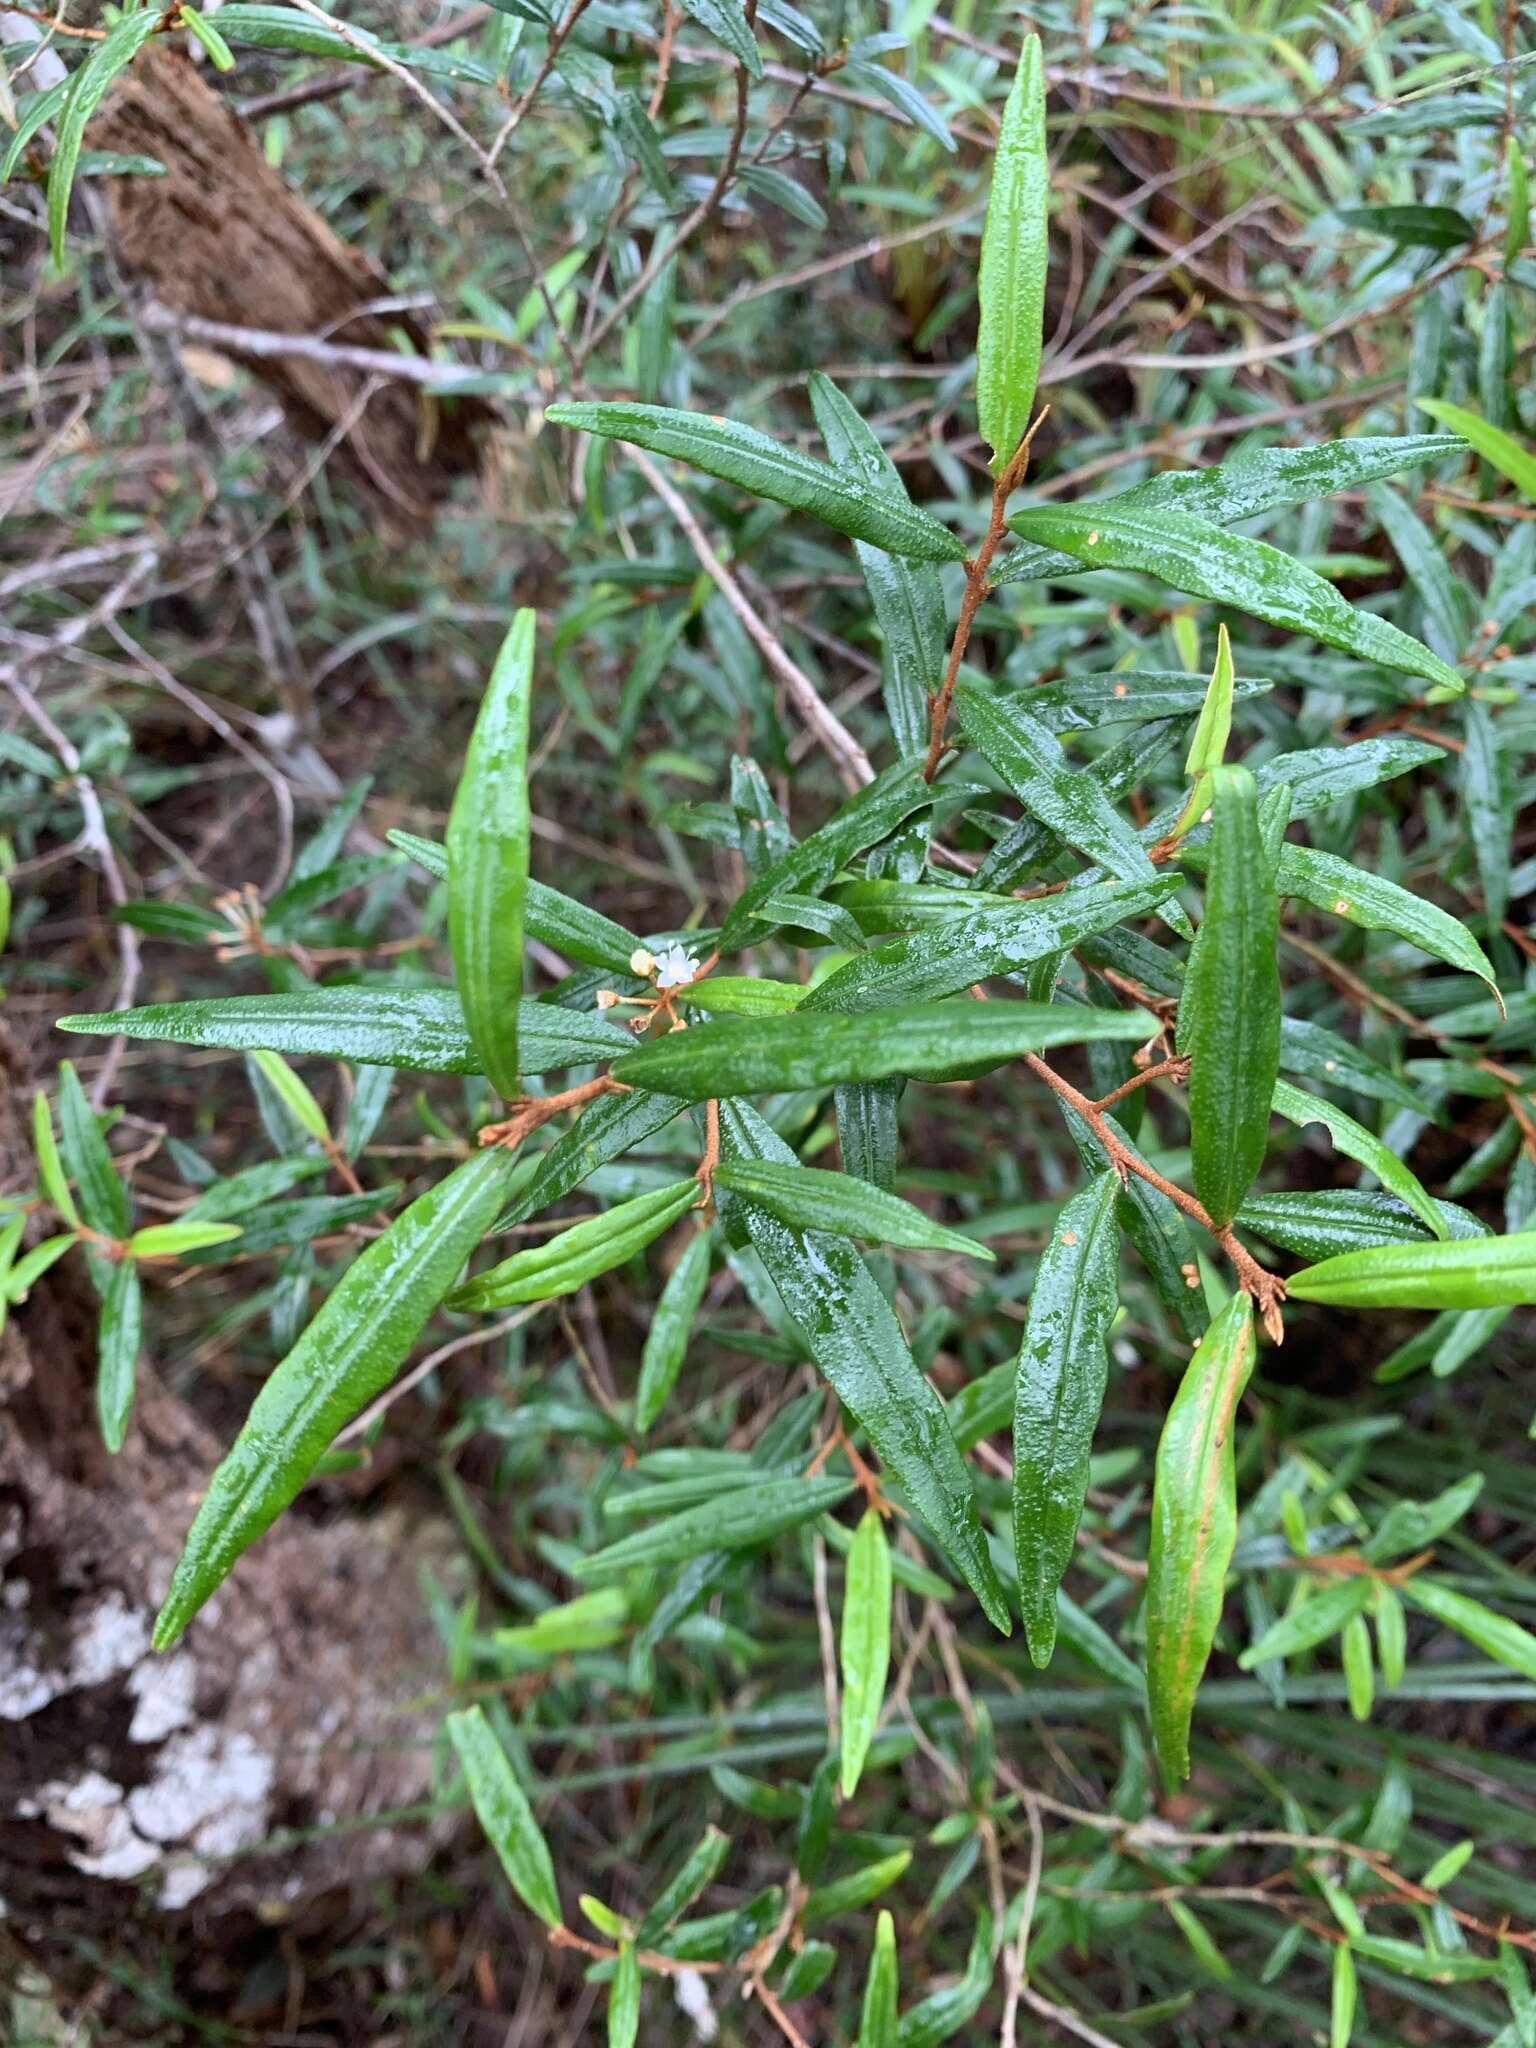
(1270, 226)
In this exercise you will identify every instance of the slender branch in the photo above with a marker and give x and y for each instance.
(534, 1110)
(976, 588)
(1175, 1069)
(1266, 1288)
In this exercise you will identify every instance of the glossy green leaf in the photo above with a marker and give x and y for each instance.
(666, 1341)
(103, 1198)
(944, 2012)
(1014, 256)
(1488, 804)
(1494, 1634)
(726, 21)
(864, 1646)
(761, 1056)
(1061, 1372)
(1359, 1671)
(859, 1888)
(50, 1168)
(591, 1621)
(1391, 1636)
(1083, 703)
(1229, 1013)
(769, 469)
(572, 928)
(864, 820)
(1411, 1525)
(1477, 1272)
(33, 115)
(1191, 554)
(929, 965)
(701, 1867)
(18, 1279)
(624, 1992)
(251, 1188)
(743, 995)
(877, 2015)
(1357, 1143)
(850, 1330)
(118, 1340)
(1306, 1623)
(294, 1094)
(169, 1240)
(1417, 227)
(419, 1029)
(349, 1353)
(1329, 883)
(571, 1258)
(502, 1808)
(907, 596)
(1316, 1224)
(1251, 484)
(488, 833)
(1031, 761)
(739, 1518)
(87, 88)
(1321, 1055)
(1342, 1997)
(808, 1198)
(1497, 448)
(1194, 1528)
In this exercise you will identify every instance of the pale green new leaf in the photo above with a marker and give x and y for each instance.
(501, 1805)
(864, 1644)
(1194, 1528)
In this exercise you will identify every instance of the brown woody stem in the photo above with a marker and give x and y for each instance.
(1266, 1288)
(535, 1110)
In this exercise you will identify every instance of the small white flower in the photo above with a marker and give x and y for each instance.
(675, 968)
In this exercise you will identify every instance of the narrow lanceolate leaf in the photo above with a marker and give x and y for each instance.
(122, 1316)
(907, 596)
(294, 1094)
(1505, 1641)
(1502, 450)
(1229, 1013)
(864, 820)
(666, 1341)
(605, 1129)
(877, 2016)
(739, 455)
(1193, 555)
(1314, 1620)
(943, 2013)
(928, 965)
(103, 1198)
(420, 1029)
(488, 831)
(737, 1519)
(726, 21)
(1226, 492)
(1069, 801)
(114, 53)
(573, 1257)
(1375, 904)
(864, 1649)
(170, 1240)
(811, 1199)
(349, 1353)
(624, 1999)
(700, 1868)
(1357, 1143)
(759, 1056)
(1319, 1223)
(1059, 1389)
(50, 1168)
(1194, 1528)
(502, 1808)
(851, 1331)
(1014, 253)
(1477, 1272)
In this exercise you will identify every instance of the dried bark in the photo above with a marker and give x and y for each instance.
(223, 237)
(126, 1779)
